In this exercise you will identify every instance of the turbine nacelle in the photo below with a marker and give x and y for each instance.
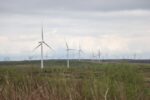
(41, 42)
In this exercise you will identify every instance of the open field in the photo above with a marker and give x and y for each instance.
(82, 81)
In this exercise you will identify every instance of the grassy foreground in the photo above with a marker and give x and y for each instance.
(83, 81)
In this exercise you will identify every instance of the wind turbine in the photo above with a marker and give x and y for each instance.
(41, 44)
(99, 54)
(30, 58)
(68, 49)
(134, 56)
(93, 56)
(80, 51)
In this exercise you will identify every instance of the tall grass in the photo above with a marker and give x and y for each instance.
(83, 81)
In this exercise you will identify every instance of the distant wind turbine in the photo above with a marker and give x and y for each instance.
(30, 58)
(99, 55)
(134, 56)
(93, 55)
(80, 51)
(41, 44)
(68, 50)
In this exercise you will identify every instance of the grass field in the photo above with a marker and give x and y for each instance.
(82, 81)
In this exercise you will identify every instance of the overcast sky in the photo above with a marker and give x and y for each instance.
(119, 28)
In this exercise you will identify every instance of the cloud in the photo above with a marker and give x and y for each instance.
(120, 28)
(39, 6)
(3, 39)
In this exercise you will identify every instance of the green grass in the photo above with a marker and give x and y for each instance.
(82, 81)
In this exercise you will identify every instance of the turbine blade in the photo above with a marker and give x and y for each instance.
(82, 51)
(72, 49)
(42, 33)
(36, 47)
(67, 45)
(48, 46)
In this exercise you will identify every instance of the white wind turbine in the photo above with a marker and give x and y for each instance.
(134, 56)
(41, 44)
(93, 56)
(79, 52)
(68, 50)
(99, 55)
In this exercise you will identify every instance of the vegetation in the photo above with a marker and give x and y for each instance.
(83, 81)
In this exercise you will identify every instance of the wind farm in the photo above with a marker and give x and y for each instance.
(78, 77)
(74, 50)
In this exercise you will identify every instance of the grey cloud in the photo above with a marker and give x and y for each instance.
(127, 19)
(80, 23)
(38, 6)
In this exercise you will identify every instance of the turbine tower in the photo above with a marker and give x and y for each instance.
(99, 54)
(93, 56)
(41, 44)
(67, 50)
